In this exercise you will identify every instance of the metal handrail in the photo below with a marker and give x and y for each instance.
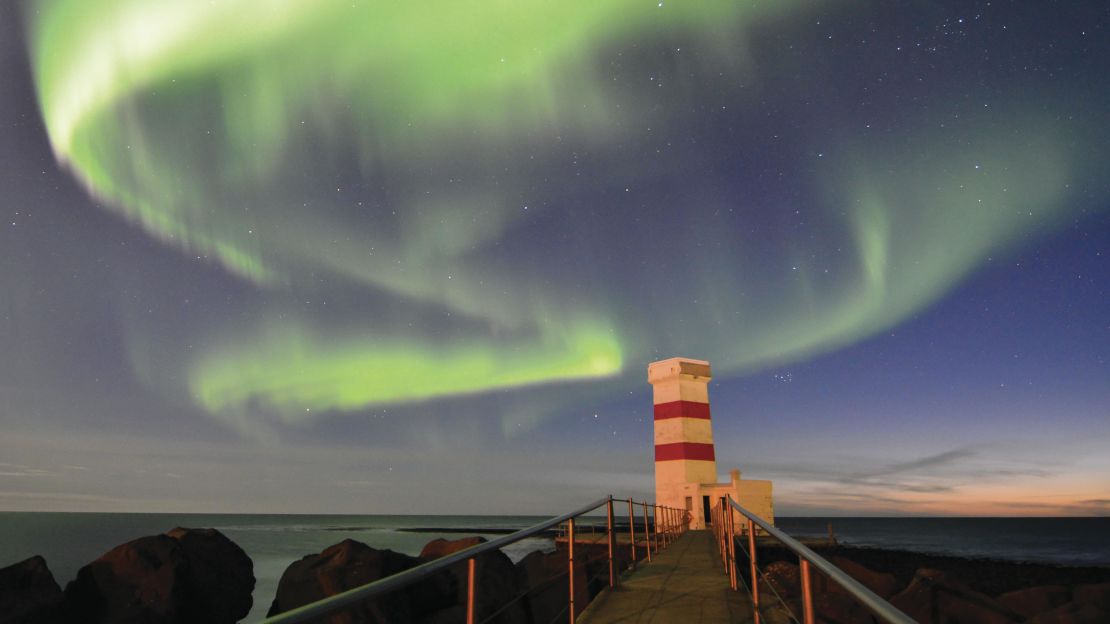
(331, 604)
(866, 597)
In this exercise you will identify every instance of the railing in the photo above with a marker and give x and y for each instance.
(666, 526)
(724, 526)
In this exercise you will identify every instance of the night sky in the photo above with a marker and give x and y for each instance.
(395, 257)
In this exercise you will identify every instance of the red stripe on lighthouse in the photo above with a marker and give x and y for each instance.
(684, 450)
(681, 409)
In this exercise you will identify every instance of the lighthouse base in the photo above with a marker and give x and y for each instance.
(698, 498)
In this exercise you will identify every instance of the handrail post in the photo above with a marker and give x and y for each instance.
(647, 534)
(717, 526)
(632, 531)
(807, 591)
(719, 523)
(655, 525)
(471, 590)
(722, 531)
(720, 537)
(718, 529)
(570, 564)
(611, 539)
(731, 549)
(754, 570)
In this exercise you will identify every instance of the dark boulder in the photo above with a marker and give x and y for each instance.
(932, 597)
(784, 578)
(882, 583)
(1090, 605)
(450, 615)
(591, 570)
(1033, 600)
(540, 577)
(220, 576)
(1096, 594)
(133, 582)
(441, 548)
(839, 608)
(497, 584)
(187, 575)
(29, 594)
(350, 564)
(1072, 613)
(830, 601)
(544, 581)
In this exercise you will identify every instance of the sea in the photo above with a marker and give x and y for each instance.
(70, 540)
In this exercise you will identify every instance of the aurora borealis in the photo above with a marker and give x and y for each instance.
(438, 243)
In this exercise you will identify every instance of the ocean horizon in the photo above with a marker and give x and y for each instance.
(69, 540)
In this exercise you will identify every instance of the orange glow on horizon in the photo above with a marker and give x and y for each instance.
(1057, 497)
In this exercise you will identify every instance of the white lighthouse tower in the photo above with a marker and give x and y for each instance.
(685, 459)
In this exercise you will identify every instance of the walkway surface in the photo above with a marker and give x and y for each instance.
(684, 583)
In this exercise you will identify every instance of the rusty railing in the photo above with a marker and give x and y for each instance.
(666, 526)
(724, 527)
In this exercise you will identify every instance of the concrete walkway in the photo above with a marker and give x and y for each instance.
(684, 583)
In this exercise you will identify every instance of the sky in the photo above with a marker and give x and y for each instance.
(377, 257)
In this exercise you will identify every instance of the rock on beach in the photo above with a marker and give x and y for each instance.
(179, 577)
(29, 594)
(350, 564)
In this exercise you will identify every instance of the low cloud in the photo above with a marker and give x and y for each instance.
(925, 484)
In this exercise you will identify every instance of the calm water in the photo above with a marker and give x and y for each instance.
(1066, 541)
(70, 540)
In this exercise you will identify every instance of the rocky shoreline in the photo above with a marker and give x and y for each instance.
(990, 576)
(942, 588)
(187, 576)
(199, 575)
(183, 575)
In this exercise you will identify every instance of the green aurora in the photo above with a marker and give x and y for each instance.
(242, 132)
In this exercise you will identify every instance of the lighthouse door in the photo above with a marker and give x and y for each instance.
(706, 510)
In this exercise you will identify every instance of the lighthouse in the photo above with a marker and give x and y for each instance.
(685, 457)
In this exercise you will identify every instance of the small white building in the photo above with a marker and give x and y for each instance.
(685, 460)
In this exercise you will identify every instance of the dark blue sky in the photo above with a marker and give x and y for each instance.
(348, 260)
